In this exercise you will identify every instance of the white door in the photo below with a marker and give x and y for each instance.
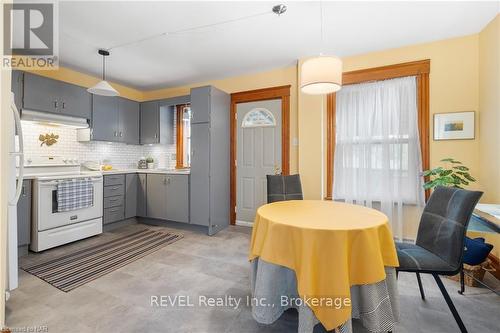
(258, 154)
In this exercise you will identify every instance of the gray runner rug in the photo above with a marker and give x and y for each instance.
(72, 270)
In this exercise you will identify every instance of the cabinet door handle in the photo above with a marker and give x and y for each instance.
(63, 105)
(121, 134)
(113, 200)
(23, 192)
(55, 104)
(156, 136)
(114, 188)
(115, 134)
(113, 210)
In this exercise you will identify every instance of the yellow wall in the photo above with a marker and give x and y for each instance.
(453, 87)
(489, 106)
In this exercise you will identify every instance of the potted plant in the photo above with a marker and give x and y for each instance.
(453, 174)
(151, 162)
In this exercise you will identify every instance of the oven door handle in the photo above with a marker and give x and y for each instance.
(55, 182)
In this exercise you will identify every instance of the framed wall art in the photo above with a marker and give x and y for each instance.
(454, 126)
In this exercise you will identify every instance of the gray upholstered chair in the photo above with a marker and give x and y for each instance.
(440, 239)
(280, 188)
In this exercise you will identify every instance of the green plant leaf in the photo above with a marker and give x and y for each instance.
(461, 168)
(449, 159)
(445, 173)
(427, 173)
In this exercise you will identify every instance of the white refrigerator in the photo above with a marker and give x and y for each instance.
(14, 194)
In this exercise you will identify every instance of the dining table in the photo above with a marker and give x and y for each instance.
(332, 261)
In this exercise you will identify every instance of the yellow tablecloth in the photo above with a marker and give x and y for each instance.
(330, 246)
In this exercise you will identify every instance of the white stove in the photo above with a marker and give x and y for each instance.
(51, 226)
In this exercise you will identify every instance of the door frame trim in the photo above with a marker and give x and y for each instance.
(280, 92)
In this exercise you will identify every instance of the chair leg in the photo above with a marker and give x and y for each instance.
(462, 280)
(450, 303)
(422, 294)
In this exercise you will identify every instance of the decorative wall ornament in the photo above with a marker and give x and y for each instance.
(49, 139)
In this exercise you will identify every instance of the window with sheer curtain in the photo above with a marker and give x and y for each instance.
(377, 159)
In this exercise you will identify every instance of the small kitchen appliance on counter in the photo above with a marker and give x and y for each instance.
(142, 163)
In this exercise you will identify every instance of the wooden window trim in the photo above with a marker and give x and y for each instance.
(421, 70)
(179, 149)
(281, 92)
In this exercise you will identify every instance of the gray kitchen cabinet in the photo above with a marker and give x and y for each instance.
(128, 121)
(150, 122)
(200, 105)
(167, 118)
(17, 88)
(115, 119)
(156, 196)
(114, 198)
(24, 215)
(158, 120)
(131, 189)
(200, 172)
(177, 194)
(48, 95)
(141, 194)
(40, 93)
(210, 137)
(74, 101)
(104, 118)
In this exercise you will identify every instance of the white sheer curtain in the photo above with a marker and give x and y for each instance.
(377, 153)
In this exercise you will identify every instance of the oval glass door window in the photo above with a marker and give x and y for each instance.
(258, 117)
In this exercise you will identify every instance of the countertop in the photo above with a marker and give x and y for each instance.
(158, 171)
(121, 171)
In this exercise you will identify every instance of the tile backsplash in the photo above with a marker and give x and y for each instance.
(119, 155)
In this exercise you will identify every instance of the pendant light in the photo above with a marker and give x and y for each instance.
(103, 88)
(323, 74)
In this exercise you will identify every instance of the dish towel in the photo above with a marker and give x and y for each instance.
(74, 194)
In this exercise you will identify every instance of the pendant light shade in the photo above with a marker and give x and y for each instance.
(103, 88)
(321, 75)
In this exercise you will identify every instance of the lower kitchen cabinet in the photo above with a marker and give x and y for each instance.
(114, 198)
(168, 197)
(131, 189)
(159, 196)
(24, 215)
(141, 195)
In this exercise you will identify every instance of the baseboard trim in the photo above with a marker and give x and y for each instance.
(244, 223)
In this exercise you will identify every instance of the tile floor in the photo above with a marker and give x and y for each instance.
(202, 265)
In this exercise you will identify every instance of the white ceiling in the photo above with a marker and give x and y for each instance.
(251, 45)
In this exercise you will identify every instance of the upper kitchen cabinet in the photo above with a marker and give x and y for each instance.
(104, 118)
(158, 120)
(17, 88)
(200, 105)
(128, 121)
(115, 119)
(150, 125)
(48, 95)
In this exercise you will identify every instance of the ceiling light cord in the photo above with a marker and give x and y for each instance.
(104, 68)
(321, 46)
(168, 33)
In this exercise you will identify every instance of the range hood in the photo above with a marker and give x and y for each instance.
(53, 119)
